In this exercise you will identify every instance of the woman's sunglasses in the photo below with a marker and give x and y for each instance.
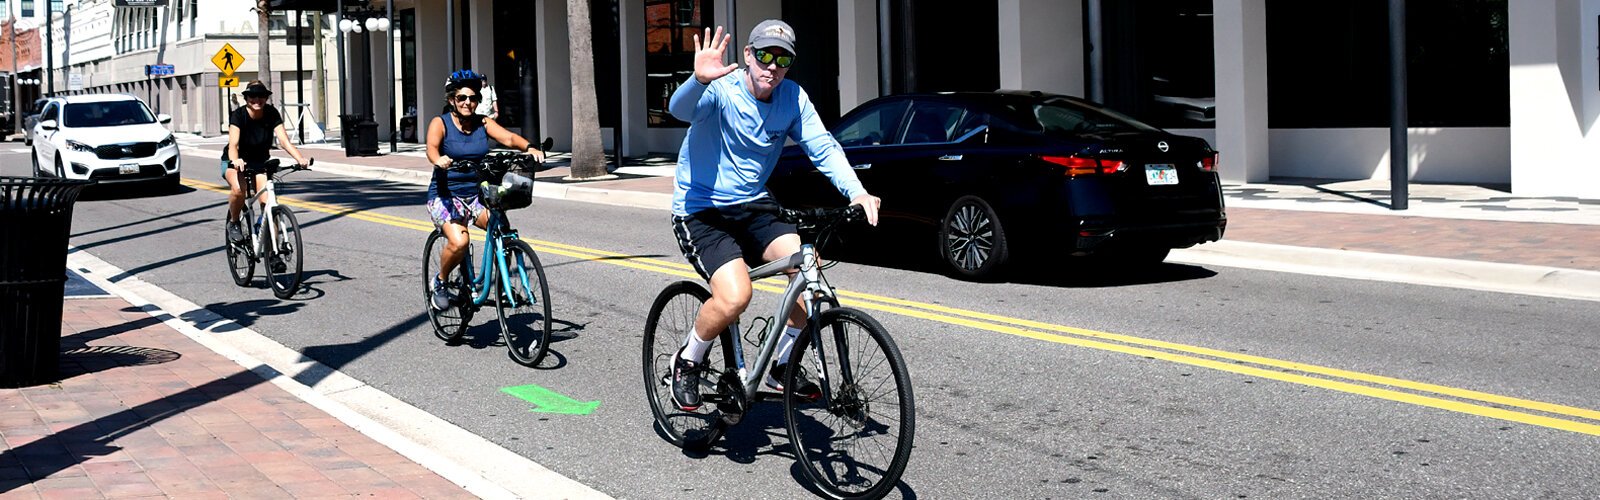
(764, 57)
(467, 97)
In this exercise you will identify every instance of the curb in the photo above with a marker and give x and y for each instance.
(479, 466)
(1543, 281)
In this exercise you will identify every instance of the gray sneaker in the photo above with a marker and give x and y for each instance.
(235, 233)
(441, 295)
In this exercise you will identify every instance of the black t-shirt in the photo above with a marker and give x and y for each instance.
(255, 136)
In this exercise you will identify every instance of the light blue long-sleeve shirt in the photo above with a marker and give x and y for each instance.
(734, 142)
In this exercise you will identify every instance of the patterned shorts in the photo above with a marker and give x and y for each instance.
(458, 210)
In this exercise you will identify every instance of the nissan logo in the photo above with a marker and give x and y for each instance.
(1162, 146)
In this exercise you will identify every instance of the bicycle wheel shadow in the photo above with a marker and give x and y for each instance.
(310, 279)
(487, 335)
(763, 432)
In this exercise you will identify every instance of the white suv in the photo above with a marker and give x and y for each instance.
(104, 137)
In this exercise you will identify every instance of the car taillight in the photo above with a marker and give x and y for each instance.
(1078, 165)
(1209, 163)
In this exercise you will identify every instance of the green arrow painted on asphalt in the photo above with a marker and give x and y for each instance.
(548, 401)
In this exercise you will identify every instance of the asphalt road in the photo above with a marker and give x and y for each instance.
(1181, 381)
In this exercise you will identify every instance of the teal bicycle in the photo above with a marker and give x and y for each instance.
(509, 277)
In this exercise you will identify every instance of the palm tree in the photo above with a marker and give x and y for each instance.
(263, 43)
(588, 155)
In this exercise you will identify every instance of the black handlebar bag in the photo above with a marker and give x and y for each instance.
(513, 192)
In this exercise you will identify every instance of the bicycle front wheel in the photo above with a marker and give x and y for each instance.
(448, 323)
(284, 257)
(240, 263)
(665, 328)
(855, 441)
(524, 305)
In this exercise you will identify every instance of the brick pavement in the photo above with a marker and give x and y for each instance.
(142, 410)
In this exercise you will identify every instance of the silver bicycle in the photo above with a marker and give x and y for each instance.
(852, 442)
(272, 235)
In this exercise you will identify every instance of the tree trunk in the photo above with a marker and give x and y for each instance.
(588, 154)
(263, 45)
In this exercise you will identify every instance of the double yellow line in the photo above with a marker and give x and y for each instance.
(1551, 415)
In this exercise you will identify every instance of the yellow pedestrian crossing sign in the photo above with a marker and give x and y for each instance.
(227, 59)
(228, 81)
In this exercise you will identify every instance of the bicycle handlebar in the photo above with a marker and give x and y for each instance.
(813, 217)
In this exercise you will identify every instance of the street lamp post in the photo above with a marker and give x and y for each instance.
(372, 22)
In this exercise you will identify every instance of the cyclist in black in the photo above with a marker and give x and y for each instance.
(251, 129)
(461, 134)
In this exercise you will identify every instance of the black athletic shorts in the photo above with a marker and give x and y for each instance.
(716, 236)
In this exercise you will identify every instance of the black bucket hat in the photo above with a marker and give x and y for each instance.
(256, 88)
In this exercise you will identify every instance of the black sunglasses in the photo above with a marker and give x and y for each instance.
(764, 57)
(467, 97)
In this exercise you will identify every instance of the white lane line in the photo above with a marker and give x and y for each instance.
(476, 464)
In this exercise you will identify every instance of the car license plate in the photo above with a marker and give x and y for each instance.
(128, 168)
(1160, 174)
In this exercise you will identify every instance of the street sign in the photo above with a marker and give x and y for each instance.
(228, 81)
(159, 70)
(227, 59)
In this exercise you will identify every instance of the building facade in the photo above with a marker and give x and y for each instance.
(110, 49)
(1501, 92)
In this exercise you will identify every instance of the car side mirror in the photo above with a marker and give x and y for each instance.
(164, 118)
(48, 125)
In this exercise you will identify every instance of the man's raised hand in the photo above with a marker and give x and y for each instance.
(708, 56)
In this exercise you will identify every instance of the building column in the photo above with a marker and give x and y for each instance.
(1553, 97)
(635, 116)
(481, 50)
(1041, 46)
(433, 62)
(858, 53)
(555, 73)
(1240, 30)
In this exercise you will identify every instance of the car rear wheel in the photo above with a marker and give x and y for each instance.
(34, 155)
(971, 239)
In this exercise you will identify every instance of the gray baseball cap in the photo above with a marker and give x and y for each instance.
(773, 33)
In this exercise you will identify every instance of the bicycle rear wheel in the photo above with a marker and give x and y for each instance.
(669, 322)
(285, 253)
(240, 263)
(525, 311)
(855, 441)
(448, 323)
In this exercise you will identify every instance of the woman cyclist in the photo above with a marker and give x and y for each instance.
(251, 129)
(461, 134)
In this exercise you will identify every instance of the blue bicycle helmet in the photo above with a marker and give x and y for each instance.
(464, 78)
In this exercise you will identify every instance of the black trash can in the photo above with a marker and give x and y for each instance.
(37, 215)
(360, 135)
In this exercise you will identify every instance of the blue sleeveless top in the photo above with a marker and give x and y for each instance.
(459, 183)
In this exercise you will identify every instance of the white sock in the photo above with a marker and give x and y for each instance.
(694, 348)
(786, 343)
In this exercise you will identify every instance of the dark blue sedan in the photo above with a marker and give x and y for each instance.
(984, 178)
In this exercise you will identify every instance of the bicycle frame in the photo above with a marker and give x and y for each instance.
(499, 229)
(807, 283)
(269, 223)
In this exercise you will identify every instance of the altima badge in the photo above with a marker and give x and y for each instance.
(1162, 146)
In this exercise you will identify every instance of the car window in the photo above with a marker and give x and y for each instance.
(107, 114)
(49, 111)
(1063, 117)
(938, 122)
(871, 127)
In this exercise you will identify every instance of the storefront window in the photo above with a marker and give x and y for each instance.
(1328, 64)
(1159, 62)
(670, 26)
